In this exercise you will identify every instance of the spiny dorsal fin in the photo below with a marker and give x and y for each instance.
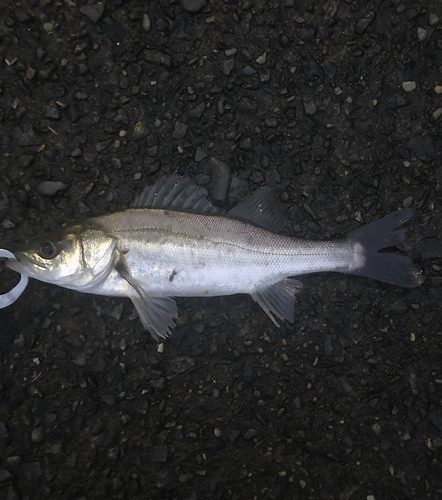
(174, 193)
(262, 209)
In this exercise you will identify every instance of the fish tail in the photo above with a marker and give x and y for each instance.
(387, 267)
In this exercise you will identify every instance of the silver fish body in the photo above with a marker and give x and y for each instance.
(175, 243)
(183, 254)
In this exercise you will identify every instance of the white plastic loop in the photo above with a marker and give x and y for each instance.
(10, 297)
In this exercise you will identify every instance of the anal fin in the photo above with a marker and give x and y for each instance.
(279, 299)
(156, 313)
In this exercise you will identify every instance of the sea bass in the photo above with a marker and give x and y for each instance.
(173, 242)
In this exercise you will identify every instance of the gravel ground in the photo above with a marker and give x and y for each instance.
(334, 104)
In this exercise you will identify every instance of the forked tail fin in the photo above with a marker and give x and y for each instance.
(387, 267)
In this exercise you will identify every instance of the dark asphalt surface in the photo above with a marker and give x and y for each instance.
(336, 105)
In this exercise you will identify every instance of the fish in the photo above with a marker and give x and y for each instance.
(173, 242)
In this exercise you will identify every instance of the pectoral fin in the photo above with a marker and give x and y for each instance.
(279, 299)
(156, 313)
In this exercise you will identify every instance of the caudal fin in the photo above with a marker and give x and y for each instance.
(387, 267)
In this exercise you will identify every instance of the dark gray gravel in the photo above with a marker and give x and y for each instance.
(336, 105)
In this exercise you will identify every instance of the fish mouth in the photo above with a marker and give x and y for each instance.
(22, 263)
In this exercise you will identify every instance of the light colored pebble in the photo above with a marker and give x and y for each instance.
(408, 86)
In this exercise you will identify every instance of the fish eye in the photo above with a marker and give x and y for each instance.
(48, 250)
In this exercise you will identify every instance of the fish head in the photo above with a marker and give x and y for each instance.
(73, 257)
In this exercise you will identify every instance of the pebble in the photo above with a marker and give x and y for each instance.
(220, 173)
(146, 24)
(93, 11)
(248, 70)
(406, 203)
(37, 435)
(423, 147)
(156, 57)
(200, 154)
(193, 6)
(250, 434)
(436, 114)
(180, 130)
(313, 72)
(438, 89)
(409, 86)
(52, 111)
(80, 359)
(140, 131)
(422, 34)
(50, 188)
(310, 108)
(246, 144)
(433, 19)
(228, 66)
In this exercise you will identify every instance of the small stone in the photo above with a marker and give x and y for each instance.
(246, 144)
(180, 364)
(159, 383)
(271, 122)
(146, 25)
(93, 11)
(80, 359)
(261, 59)
(25, 160)
(433, 19)
(193, 6)
(249, 70)
(217, 432)
(13, 461)
(348, 441)
(140, 131)
(423, 147)
(408, 86)
(37, 435)
(200, 154)
(436, 114)
(422, 34)
(101, 146)
(30, 73)
(250, 434)
(220, 171)
(76, 153)
(50, 188)
(362, 24)
(180, 130)
(406, 203)
(156, 57)
(310, 108)
(230, 52)
(438, 89)
(376, 428)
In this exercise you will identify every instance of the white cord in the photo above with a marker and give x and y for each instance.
(10, 297)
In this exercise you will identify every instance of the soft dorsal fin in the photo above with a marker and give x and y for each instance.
(262, 209)
(174, 193)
